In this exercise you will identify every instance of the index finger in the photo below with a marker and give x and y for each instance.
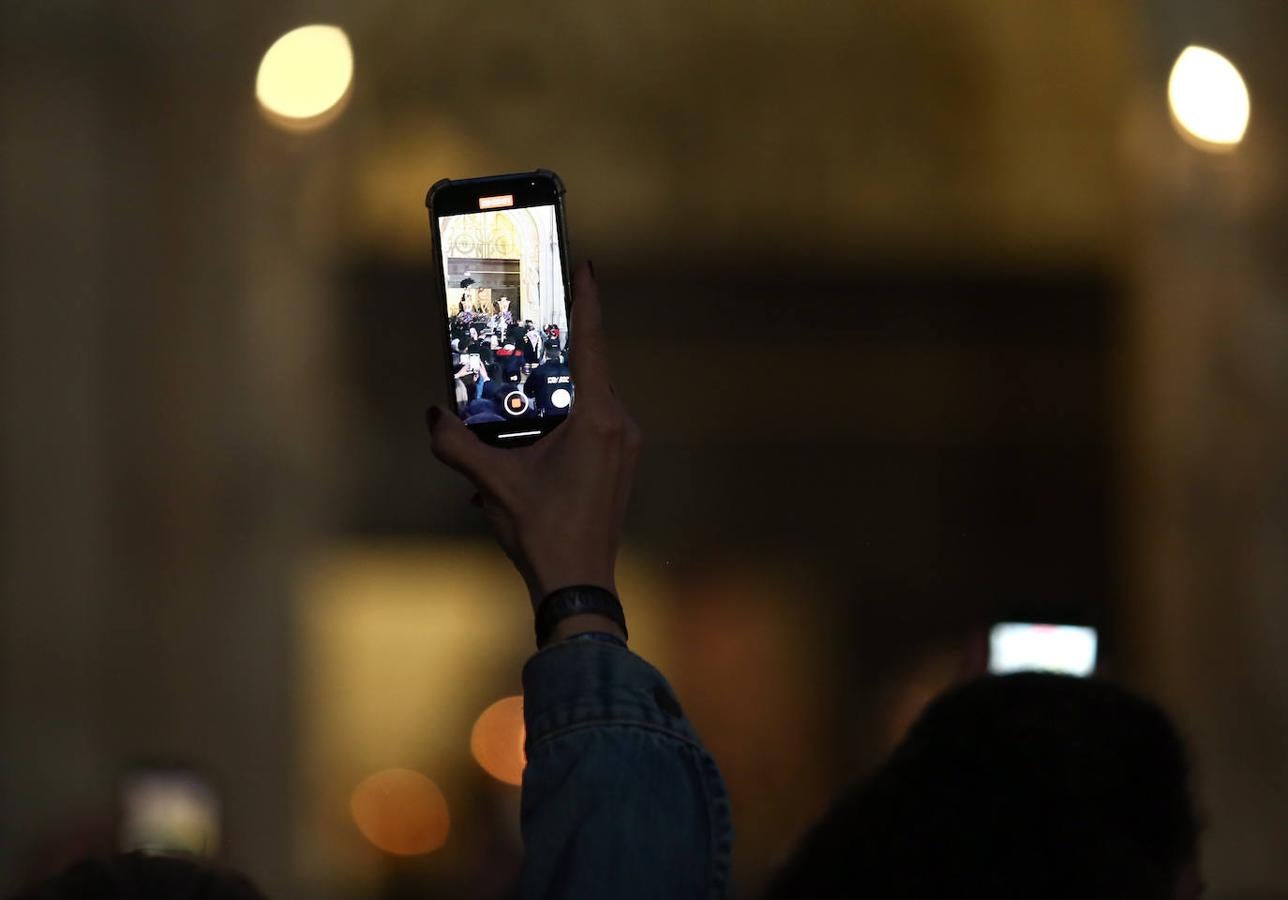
(589, 356)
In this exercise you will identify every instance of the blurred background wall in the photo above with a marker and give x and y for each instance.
(930, 313)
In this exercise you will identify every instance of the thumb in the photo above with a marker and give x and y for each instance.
(454, 445)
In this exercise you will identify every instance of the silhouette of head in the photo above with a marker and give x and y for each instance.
(138, 876)
(1019, 786)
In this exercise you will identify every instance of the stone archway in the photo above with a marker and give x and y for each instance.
(484, 250)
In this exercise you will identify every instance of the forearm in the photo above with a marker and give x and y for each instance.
(620, 799)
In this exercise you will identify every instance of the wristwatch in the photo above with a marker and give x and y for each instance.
(576, 600)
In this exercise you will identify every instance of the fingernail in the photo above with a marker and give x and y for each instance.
(590, 264)
(432, 415)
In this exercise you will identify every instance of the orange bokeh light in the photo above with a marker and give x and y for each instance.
(497, 740)
(400, 811)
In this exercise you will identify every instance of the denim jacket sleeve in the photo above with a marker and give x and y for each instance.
(620, 798)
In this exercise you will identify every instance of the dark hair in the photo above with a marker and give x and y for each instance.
(139, 876)
(1018, 786)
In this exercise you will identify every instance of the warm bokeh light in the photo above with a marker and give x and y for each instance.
(1208, 98)
(497, 740)
(305, 75)
(397, 641)
(400, 811)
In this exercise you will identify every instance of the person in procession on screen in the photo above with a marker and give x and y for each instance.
(515, 332)
(503, 319)
(481, 378)
(465, 379)
(532, 350)
(496, 389)
(550, 384)
(510, 361)
(480, 342)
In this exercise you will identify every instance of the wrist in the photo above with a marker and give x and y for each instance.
(582, 624)
(542, 584)
(579, 608)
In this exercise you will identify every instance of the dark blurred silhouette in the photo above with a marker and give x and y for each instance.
(140, 876)
(550, 384)
(1029, 785)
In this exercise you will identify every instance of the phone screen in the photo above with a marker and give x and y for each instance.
(169, 810)
(503, 268)
(1028, 647)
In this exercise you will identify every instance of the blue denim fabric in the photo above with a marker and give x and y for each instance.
(620, 799)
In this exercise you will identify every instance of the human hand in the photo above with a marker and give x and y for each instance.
(558, 505)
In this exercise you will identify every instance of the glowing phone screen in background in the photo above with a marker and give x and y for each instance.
(169, 811)
(1023, 647)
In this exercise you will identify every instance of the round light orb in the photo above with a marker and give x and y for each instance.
(497, 740)
(305, 77)
(1209, 99)
(401, 812)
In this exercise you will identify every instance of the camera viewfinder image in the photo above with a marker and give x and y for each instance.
(507, 318)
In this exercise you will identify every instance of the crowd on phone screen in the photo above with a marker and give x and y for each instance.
(495, 356)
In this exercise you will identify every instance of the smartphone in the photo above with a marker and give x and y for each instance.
(1033, 647)
(503, 236)
(168, 809)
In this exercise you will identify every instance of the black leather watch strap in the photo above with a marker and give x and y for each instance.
(574, 601)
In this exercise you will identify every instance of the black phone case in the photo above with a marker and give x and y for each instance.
(541, 173)
(440, 320)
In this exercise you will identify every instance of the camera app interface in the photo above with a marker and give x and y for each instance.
(507, 321)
